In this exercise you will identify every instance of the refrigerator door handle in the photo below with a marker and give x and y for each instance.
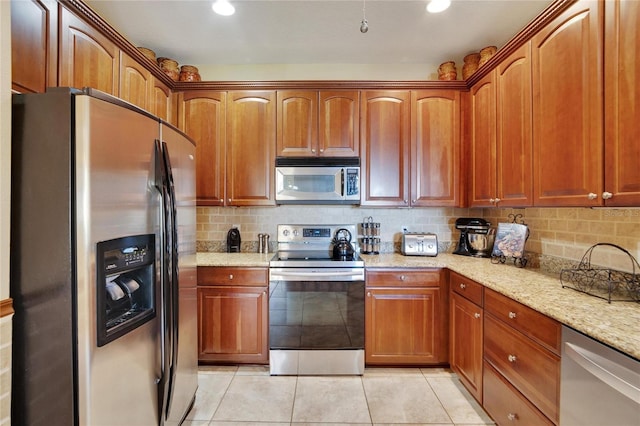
(165, 281)
(173, 292)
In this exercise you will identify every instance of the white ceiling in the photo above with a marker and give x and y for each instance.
(315, 31)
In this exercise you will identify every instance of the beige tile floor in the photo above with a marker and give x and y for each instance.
(382, 396)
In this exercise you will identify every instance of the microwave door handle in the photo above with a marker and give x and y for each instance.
(342, 182)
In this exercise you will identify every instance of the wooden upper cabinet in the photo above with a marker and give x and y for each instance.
(514, 150)
(34, 43)
(338, 123)
(312, 123)
(297, 123)
(482, 158)
(135, 82)
(435, 148)
(385, 135)
(162, 102)
(202, 116)
(87, 58)
(567, 108)
(622, 103)
(251, 148)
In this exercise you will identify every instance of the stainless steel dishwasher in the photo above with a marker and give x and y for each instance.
(599, 385)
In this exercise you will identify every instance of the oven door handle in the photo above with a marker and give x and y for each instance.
(319, 274)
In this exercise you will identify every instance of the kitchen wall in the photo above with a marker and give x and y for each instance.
(559, 236)
(5, 180)
(321, 72)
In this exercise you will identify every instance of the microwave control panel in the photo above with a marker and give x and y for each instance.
(353, 184)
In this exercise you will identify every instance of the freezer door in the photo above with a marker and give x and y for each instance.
(184, 381)
(115, 197)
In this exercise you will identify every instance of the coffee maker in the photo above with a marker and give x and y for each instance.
(476, 237)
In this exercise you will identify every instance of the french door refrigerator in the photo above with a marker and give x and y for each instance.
(103, 270)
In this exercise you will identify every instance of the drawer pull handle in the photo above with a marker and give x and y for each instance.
(462, 286)
(512, 358)
(230, 276)
(512, 416)
(477, 315)
(512, 315)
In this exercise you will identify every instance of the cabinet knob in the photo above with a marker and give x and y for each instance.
(476, 315)
(512, 358)
(229, 200)
(512, 416)
(405, 201)
(497, 200)
(321, 150)
(402, 277)
(462, 286)
(512, 315)
(606, 195)
(230, 276)
(492, 200)
(592, 196)
(368, 294)
(313, 151)
(222, 200)
(413, 201)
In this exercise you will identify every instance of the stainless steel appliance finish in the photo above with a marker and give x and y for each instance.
(317, 181)
(90, 172)
(598, 385)
(419, 244)
(316, 304)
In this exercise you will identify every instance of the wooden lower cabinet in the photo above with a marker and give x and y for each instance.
(466, 343)
(406, 318)
(505, 404)
(522, 347)
(233, 315)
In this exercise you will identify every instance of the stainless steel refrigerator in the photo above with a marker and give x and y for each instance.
(103, 269)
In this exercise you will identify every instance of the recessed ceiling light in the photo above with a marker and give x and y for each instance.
(223, 7)
(437, 6)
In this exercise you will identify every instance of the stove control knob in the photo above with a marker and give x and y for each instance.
(285, 232)
(296, 233)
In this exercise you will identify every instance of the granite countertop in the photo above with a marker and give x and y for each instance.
(616, 324)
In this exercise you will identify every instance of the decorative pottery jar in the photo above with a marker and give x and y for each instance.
(471, 64)
(169, 67)
(189, 73)
(486, 54)
(447, 71)
(150, 54)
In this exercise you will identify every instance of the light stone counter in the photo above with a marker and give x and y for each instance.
(616, 324)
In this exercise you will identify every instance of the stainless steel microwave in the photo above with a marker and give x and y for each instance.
(316, 180)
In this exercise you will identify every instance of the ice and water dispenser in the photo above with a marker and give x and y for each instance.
(126, 285)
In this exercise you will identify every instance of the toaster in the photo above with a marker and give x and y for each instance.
(419, 244)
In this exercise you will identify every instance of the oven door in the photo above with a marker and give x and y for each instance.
(316, 326)
(309, 184)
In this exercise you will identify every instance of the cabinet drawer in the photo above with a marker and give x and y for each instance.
(535, 325)
(467, 287)
(530, 368)
(505, 404)
(214, 275)
(403, 278)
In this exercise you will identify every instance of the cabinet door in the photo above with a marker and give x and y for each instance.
(514, 152)
(202, 116)
(251, 148)
(233, 324)
(161, 102)
(435, 148)
(338, 124)
(297, 123)
(567, 108)
(404, 326)
(385, 135)
(87, 58)
(622, 103)
(135, 82)
(34, 43)
(466, 343)
(483, 148)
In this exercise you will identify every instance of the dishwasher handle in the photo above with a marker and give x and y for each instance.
(614, 375)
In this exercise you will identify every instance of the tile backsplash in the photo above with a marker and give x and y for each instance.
(558, 235)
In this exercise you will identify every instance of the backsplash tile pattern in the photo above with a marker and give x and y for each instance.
(559, 236)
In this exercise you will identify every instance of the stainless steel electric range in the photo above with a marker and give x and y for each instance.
(316, 302)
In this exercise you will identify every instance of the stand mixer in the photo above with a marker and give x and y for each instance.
(476, 237)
